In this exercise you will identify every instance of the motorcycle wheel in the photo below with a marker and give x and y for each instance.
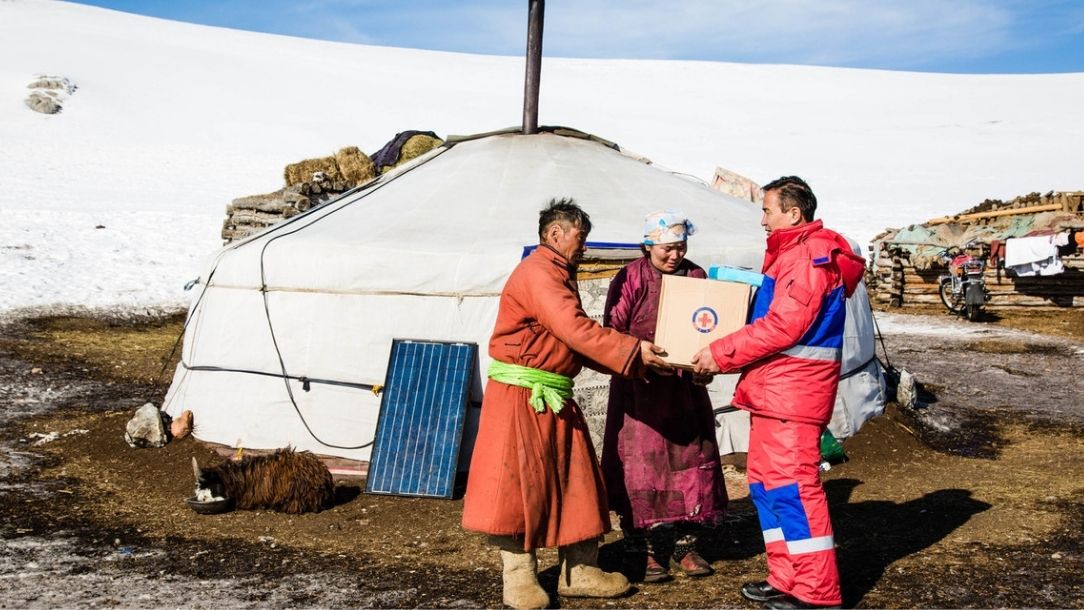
(974, 312)
(947, 299)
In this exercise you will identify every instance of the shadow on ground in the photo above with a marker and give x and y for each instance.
(873, 534)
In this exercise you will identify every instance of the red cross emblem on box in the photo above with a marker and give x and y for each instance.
(705, 319)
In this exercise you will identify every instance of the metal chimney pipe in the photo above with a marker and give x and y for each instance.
(535, 11)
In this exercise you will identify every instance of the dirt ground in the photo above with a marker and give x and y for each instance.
(973, 499)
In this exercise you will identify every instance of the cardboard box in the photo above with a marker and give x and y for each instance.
(694, 312)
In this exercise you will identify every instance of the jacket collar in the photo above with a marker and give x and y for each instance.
(547, 252)
(782, 239)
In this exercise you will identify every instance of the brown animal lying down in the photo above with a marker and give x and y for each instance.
(283, 481)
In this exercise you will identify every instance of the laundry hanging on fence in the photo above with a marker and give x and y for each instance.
(1035, 255)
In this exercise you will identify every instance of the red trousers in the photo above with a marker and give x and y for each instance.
(785, 485)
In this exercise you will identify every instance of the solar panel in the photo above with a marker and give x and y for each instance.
(420, 426)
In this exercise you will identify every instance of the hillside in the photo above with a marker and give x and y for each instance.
(169, 122)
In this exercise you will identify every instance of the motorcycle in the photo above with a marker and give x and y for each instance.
(963, 289)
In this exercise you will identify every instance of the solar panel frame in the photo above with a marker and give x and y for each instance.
(423, 410)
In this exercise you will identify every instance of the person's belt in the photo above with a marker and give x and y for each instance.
(546, 388)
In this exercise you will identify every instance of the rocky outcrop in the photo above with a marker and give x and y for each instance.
(48, 94)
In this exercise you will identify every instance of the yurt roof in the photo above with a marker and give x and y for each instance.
(455, 221)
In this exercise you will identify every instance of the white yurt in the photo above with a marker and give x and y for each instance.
(290, 329)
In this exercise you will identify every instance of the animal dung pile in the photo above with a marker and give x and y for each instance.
(345, 169)
(309, 183)
(314, 182)
(48, 94)
(248, 215)
(405, 146)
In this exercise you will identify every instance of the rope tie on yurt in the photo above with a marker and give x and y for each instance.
(326, 212)
(857, 369)
(306, 382)
(286, 228)
(169, 357)
(286, 377)
(188, 318)
(546, 388)
(195, 305)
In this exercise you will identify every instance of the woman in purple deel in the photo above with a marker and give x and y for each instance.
(659, 457)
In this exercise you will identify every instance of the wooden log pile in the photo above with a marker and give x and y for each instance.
(895, 280)
(1032, 203)
(314, 182)
(309, 184)
(899, 284)
(249, 215)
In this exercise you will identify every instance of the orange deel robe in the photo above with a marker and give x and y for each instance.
(536, 475)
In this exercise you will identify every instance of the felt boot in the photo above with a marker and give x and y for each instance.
(686, 558)
(520, 575)
(581, 576)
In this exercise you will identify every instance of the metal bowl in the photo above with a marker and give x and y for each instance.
(212, 507)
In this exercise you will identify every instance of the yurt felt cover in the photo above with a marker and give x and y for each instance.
(421, 252)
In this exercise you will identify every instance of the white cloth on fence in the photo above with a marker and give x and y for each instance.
(1035, 255)
(1034, 249)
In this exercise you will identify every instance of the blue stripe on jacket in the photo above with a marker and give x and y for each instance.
(827, 329)
(762, 300)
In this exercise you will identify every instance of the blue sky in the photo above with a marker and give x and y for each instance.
(968, 36)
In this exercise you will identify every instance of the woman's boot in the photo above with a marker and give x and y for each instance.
(520, 575)
(581, 576)
(640, 558)
(685, 557)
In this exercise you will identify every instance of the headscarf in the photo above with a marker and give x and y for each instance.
(667, 227)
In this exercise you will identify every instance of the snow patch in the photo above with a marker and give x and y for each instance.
(116, 202)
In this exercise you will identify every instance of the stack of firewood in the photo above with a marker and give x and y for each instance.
(906, 285)
(249, 215)
(309, 184)
(1032, 203)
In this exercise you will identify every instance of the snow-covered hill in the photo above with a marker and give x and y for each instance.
(116, 200)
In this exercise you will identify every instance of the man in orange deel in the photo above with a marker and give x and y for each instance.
(534, 477)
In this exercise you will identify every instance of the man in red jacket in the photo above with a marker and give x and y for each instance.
(789, 356)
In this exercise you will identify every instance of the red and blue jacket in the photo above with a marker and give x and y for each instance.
(790, 351)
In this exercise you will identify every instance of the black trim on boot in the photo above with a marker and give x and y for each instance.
(760, 591)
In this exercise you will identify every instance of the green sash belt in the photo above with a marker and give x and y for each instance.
(546, 388)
